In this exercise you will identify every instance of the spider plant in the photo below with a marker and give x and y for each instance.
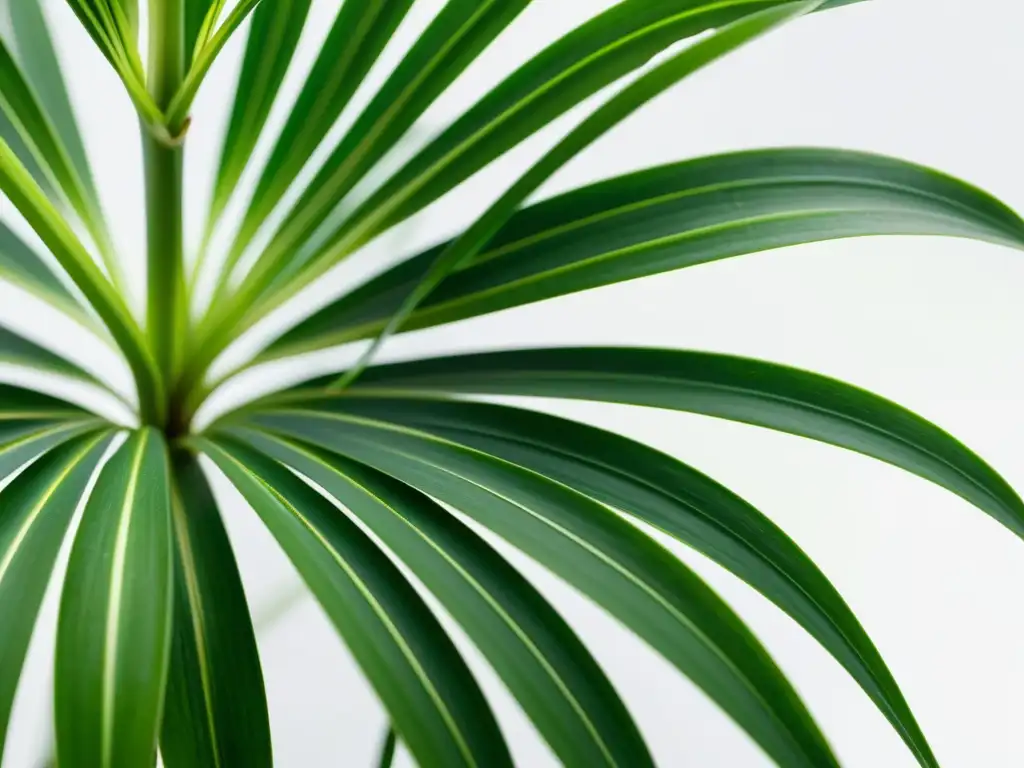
(155, 648)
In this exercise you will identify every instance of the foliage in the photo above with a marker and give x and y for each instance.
(155, 646)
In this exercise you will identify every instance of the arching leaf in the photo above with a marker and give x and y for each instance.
(414, 667)
(114, 630)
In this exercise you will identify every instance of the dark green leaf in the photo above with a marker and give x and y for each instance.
(603, 555)
(114, 630)
(454, 39)
(387, 748)
(673, 497)
(543, 663)
(216, 710)
(37, 509)
(671, 217)
(735, 388)
(20, 351)
(430, 694)
(588, 59)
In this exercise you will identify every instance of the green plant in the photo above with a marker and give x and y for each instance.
(155, 646)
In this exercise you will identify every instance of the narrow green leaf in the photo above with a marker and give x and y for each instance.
(273, 37)
(542, 661)
(37, 509)
(196, 12)
(216, 711)
(18, 350)
(430, 694)
(58, 236)
(734, 388)
(666, 218)
(453, 40)
(590, 58)
(702, 53)
(20, 265)
(360, 32)
(25, 111)
(387, 748)
(603, 555)
(673, 497)
(114, 630)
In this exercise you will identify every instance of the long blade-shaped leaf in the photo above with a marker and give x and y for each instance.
(603, 555)
(196, 12)
(360, 32)
(675, 498)
(20, 265)
(216, 712)
(37, 509)
(430, 694)
(457, 35)
(58, 236)
(597, 54)
(544, 664)
(18, 350)
(666, 218)
(273, 36)
(114, 630)
(24, 109)
(735, 388)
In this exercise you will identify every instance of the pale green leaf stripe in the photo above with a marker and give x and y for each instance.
(29, 199)
(670, 217)
(668, 495)
(37, 510)
(735, 388)
(542, 661)
(114, 630)
(607, 558)
(216, 707)
(454, 39)
(430, 694)
(20, 449)
(702, 53)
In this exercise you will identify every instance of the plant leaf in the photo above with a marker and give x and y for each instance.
(58, 236)
(196, 12)
(114, 630)
(387, 748)
(430, 694)
(25, 112)
(37, 509)
(453, 40)
(273, 37)
(672, 497)
(604, 556)
(18, 350)
(593, 56)
(20, 265)
(666, 218)
(735, 388)
(216, 711)
(542, 661)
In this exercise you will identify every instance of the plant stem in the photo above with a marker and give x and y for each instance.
(166, 305)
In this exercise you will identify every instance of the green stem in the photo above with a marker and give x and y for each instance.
(166, 293)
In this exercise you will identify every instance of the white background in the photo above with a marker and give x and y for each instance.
(933, 324)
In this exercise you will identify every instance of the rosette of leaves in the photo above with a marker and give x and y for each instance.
(155, 649)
